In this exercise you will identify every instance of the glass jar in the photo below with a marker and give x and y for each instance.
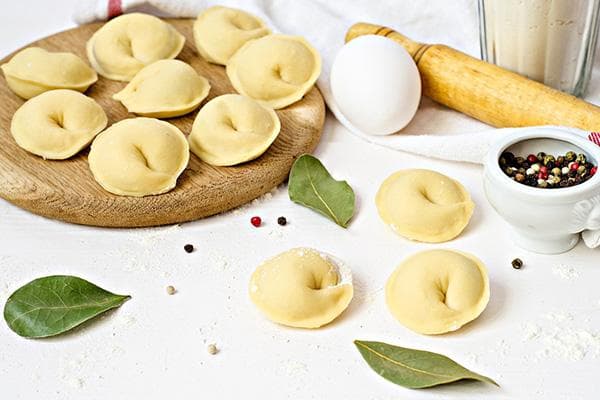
(550, 41)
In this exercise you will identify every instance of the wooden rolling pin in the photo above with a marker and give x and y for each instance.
(485, 91)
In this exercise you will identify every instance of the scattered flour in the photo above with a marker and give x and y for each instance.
(259, 200)
(571, 344)
(560, 337)
(294, 367)
(565, 272)
(531, 331)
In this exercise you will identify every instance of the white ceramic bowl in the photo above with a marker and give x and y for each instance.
(545, 221)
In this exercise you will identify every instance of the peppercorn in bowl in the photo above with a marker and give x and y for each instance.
(543, 182)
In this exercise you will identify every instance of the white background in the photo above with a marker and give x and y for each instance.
(536, 338)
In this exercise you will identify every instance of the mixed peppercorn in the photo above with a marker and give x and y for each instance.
(543, 170)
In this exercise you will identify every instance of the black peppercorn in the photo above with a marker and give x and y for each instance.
(508, 156)
(517, 263)
(519, 161)
(188, 248)
(282, 221)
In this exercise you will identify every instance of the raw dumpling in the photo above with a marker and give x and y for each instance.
(57, 124)
(438, 291)
(34, 70)
(301, 288)
(164, 89)
(126, 44)
(220, 31)
(232, 129)
(139, 157)
(276, 70)
(424, 205)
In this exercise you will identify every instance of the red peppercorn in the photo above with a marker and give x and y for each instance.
(544, 170)
(256, 221)
(593, 171)
(532, 159)
(542, 175)
(574, 166)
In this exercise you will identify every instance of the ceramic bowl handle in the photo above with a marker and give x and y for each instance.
(485, 91)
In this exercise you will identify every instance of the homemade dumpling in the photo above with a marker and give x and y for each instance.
(34, 70)
(139, 157)
(220, 31)
(302, 288)
(126, 44)
(57, 124)
(438, 291)
(424, 205)
(164, 89)
(276, 70)
(232, 129)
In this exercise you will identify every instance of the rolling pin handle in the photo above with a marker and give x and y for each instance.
(415, 49)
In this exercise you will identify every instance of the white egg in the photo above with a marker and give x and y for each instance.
(376, 84)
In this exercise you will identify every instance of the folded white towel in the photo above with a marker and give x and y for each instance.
(325, 22)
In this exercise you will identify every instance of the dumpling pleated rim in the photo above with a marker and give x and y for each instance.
(161, 111)
(89, 47)
(281, 102)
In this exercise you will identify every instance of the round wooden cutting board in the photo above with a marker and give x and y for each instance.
(67, 191)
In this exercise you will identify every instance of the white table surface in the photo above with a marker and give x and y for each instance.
(539, 336)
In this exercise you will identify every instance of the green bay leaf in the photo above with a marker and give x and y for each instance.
(311, 185)
(52, 305)
(414, 369)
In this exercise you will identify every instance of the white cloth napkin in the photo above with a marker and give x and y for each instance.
(435, 131)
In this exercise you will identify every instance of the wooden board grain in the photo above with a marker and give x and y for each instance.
(66, 190)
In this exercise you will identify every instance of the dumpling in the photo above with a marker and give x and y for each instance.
(276, 70)
(424, 205)
(126, 44)
(164, 89)
(57, 124)
(438, 291)
(220, 31)
(232, 129)
(34, 70)
(139, 157)
(302, 288)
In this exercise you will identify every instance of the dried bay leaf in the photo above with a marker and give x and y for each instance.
(52, 305)
(311, 185)
(414, 369)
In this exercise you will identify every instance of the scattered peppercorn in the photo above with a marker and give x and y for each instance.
(212, 349)
(547, 171)
(188, 248)
(256, 221)
(171, 290)
(520, 178)
(282, 221)
(517, 263)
